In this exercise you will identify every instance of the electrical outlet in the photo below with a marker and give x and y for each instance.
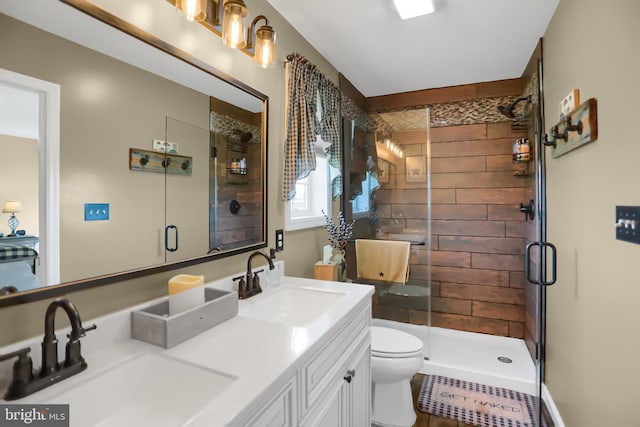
(96, 211)
(279, 240)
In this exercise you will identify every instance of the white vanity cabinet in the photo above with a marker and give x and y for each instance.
(332, 387)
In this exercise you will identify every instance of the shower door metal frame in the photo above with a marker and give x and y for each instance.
(546, 250)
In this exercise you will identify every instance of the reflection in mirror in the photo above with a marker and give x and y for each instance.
(361, 179)
(109, 104)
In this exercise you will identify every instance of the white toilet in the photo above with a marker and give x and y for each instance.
(395, 357)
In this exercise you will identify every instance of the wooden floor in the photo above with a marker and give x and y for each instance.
(427, 420)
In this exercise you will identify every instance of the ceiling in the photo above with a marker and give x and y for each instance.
(464, 41)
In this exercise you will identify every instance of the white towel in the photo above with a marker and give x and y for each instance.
(385, 260)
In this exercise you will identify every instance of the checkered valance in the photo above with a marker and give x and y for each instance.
(307, 91)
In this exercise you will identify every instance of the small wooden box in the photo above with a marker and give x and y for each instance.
(322, 271)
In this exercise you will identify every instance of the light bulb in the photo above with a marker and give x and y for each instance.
(194, 10)
(232, 27)
(265, 51)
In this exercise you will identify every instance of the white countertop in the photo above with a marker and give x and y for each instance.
(260, 355)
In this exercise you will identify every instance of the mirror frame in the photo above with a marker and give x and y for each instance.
(99, 14)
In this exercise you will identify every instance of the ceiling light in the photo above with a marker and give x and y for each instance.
(411, 8)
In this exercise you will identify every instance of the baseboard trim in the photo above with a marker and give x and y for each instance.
(551, 407)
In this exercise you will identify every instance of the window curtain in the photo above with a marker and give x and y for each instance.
(313, 108)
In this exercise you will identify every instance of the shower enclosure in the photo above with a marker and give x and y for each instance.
(444, 179)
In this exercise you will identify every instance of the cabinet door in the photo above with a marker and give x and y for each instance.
(359, 400)
(330, 410)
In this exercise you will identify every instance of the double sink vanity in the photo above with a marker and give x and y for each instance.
(296, 354)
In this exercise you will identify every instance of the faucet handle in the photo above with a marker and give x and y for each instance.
(83, 331)
(22, 368)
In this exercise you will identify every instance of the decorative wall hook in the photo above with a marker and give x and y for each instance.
(144, 160)
(166, 162)
(568, 127)
(185, 165)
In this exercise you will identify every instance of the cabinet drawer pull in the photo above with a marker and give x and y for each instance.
(350, 374)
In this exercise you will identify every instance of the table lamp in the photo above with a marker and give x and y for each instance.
(12, 206)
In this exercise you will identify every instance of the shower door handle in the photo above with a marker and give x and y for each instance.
(166, 238)
(543, 256)
(554, 269)
(527, 261)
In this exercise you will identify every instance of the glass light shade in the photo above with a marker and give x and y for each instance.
(194, 10)
(265, 51)
(233, 33)
(12, 206)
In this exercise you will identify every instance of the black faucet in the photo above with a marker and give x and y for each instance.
(24, 382)
(250, 285)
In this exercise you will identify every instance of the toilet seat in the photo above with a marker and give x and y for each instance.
(394, 344)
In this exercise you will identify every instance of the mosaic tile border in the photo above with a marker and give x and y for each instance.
(227, 126)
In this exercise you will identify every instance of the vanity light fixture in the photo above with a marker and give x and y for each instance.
(12, 206)
(264, 51)
(225, 18)
(232, 27)
(408, 9)
(194, 10)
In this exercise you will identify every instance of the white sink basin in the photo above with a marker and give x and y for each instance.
(150, 390)
(293, 306)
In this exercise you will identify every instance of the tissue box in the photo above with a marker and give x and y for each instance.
(322, 271)
(155, 326)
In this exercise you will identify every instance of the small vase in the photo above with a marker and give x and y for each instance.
(338, 258)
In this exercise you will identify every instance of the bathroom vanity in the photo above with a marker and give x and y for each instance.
(297, 354)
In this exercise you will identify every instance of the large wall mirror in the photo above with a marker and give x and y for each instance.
(127, 156)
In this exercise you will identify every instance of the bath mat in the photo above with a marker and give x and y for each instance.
(476, 404)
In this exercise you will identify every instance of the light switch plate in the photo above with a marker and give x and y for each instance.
(628, 223)
(96, 211)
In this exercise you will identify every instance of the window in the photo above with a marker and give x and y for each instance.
(313, 195)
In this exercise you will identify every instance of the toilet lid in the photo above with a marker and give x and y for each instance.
(392, 343)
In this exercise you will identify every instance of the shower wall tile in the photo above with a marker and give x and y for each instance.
(470, 275)
(470, 323)
(490, 196)
(456, 133)
(502, 130)
(458, 211)
(517, 279)
(441, 258)
(498, 311)
(459, 164)
(481, 244)
(482, 293)
(516, 329)
(471, 147)
(515, 228)
(468, 228)
(498, 262)
(506, 213)
(476, 180)
(502, 162)
(451, 305)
